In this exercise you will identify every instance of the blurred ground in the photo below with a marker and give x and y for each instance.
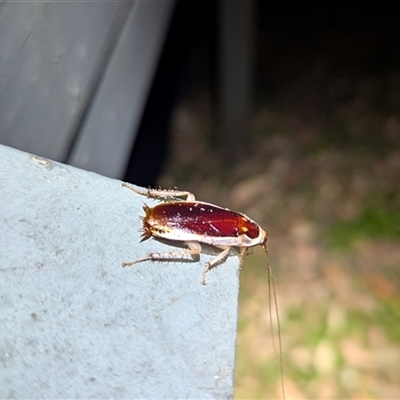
(322, 174)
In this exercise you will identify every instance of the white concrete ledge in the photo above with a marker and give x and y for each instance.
(74, 323)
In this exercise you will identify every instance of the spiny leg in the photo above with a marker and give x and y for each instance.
(193, 251)
(242, 253)
(161, 193)
(217, 260)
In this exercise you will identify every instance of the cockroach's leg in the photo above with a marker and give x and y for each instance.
(193, 250)
(163, 194)
(242, 253)
(217, 260)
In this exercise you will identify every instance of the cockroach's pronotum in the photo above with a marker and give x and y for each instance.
(183, 219)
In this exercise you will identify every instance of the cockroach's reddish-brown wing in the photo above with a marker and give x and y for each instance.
(202, 219)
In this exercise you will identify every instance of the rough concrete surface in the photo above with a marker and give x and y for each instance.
(74, 323)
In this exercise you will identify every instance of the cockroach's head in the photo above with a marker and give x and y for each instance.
(264, 242)
(264, 246)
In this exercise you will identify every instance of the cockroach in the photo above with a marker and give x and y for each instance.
(183, 219)
(193, 222)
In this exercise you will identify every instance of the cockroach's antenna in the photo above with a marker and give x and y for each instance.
(271, 283)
